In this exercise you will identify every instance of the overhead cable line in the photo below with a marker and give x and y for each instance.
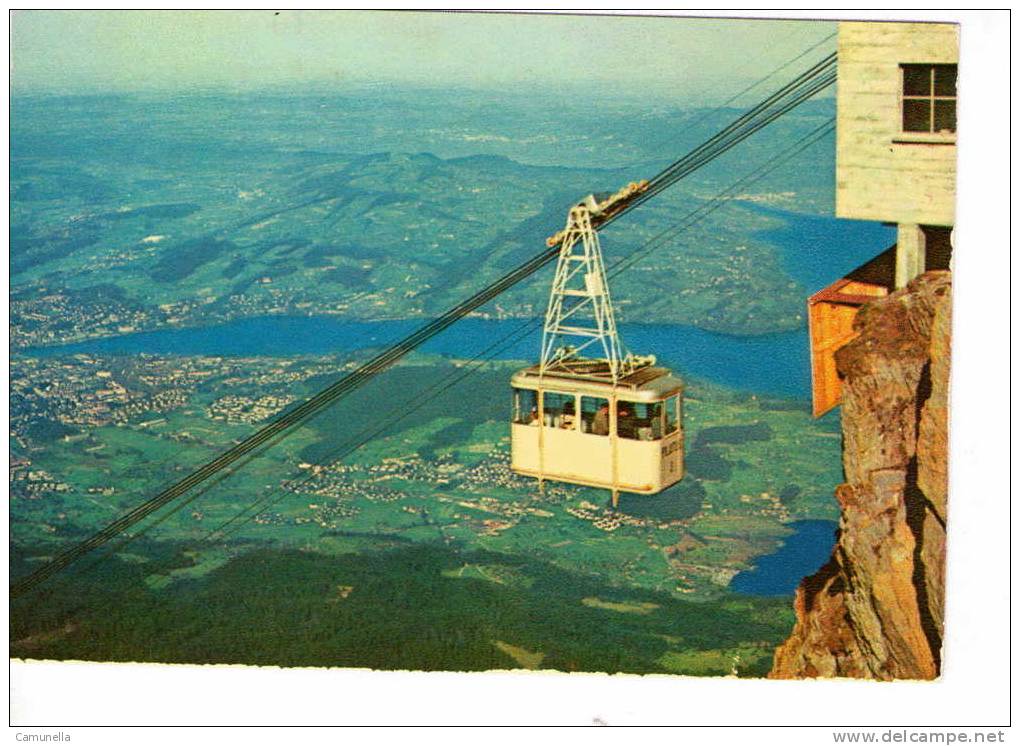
(819, 77)
(720, 107)
(822, 67)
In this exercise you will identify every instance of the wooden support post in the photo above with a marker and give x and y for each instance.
(910, 253)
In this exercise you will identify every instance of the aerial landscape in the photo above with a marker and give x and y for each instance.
(187, 264)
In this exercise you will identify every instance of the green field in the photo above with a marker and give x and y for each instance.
(419, 549)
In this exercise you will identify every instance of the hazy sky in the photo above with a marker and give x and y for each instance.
(129, 50)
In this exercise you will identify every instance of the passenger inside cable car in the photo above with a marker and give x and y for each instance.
(594, 415)
(640, 421)
(525, 407)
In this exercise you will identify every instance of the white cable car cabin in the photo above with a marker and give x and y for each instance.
(624, 436)
(613, 421)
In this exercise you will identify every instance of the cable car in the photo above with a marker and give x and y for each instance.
(613, 420)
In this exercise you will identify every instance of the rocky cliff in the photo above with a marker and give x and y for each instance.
(875, 610)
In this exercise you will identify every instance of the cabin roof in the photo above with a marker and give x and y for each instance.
(648, 382)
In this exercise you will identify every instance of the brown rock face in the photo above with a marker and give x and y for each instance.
(875, 610)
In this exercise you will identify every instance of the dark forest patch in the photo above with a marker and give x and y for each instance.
(703, 462)
(735, 433)
(282, 248)
(679, 502)
(789, 493)
(30, 251)
(346, 276)
(180, 261)
(451, 435)
(101, 292)
(368, 406)
(236, 266)
(46, 431)
(402, 611)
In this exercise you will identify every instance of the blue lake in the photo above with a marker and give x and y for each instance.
(801, 554)
(819, 249)
(815, 249)
(773, 364)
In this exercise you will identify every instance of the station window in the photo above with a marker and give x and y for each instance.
(638, 421)
(929, 98)
(525, 407)
(559, 410)
(594, 415)
(672, 413)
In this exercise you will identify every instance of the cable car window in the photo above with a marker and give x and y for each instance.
(672, 414)
(637, 421)
(525, 407)
(558, 410)
(594, 415)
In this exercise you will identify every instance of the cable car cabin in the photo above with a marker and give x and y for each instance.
(574, 427)
(612, 421)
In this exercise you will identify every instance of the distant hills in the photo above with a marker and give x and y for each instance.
(212, 207)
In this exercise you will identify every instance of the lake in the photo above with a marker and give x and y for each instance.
(817, 250)
(772, 364)
(802, 553)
